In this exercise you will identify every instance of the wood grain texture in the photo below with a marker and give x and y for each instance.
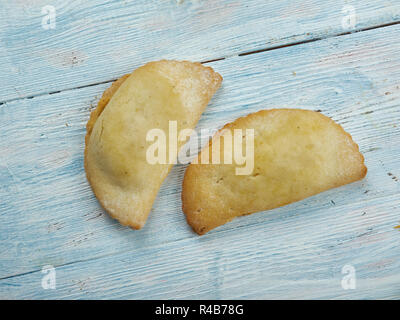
(96, 43)
(49, 215)
(285, 256)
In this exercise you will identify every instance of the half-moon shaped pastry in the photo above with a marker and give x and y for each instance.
(116, 162)
(297, 154)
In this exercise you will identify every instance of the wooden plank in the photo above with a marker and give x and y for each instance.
(92, 44)
(48, 214)
(298, 254)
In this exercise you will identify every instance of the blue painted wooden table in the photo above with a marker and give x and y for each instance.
(56, 59)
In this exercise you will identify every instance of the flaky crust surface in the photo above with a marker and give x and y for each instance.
(298, 153)
(123, 182)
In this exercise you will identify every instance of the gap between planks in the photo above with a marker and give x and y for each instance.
(153, 246)
(292, 44)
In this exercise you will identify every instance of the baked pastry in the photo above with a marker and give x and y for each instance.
(297, 154)
(116, 160)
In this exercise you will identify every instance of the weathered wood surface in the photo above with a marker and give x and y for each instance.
(97, 43)
(293, 253)
(49, 215)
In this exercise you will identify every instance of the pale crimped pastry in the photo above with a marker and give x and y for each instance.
(297, 154)
(121, 177)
